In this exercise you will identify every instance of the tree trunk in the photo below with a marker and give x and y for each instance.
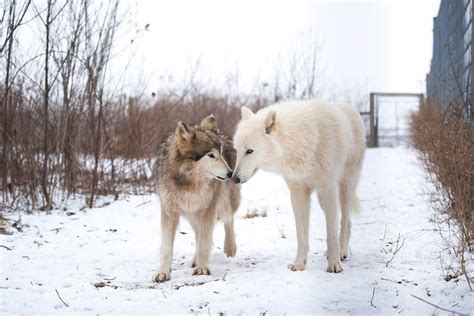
(45, 176)
(7, 181)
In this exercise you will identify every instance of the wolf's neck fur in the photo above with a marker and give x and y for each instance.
(290, 158)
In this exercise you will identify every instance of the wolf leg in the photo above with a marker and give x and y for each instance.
(327, 197)
(345, 234)
(300, 201)
(195, 225)
(230, 248)
(348, 196)
(169, 223)
(206, 221)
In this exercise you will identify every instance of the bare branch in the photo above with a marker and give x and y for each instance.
(59, 296)
(439, 307)
(13, 25)
(398, 247)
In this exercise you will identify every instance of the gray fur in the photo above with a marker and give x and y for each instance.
(187, 186)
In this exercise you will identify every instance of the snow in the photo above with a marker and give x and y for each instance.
(117, 244)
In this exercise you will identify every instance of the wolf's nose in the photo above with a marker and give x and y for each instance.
(235, 179)
(229, 174)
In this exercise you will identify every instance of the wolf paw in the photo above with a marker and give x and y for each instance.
(296, 266)
(334, 268)
(201, 271)
(161, 277)
(344, 252)
(230, 250)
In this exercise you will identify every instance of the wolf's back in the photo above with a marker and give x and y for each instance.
(162, 159)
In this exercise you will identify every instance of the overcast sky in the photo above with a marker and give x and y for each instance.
(372, 45)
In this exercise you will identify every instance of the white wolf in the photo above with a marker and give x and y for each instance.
(314, 145)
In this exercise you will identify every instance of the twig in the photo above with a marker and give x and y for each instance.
(61, 298)
(178, 286)
(372, 298)
(441, 308)
(463, 269)
(397, 249)
(399, 282)
(441, 262)
(7, 248)
(141, 204)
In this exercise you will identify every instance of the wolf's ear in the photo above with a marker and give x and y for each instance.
(210, 123)
(270, 121)
(182, 130)
(246, 113)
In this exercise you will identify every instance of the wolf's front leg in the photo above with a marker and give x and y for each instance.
(195, 225)
(206, 221)
(169, 223)
(300, 201)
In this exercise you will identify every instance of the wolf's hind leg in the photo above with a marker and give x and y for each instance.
(230, 247)
(328, 198)
(345, 234)
(169, 223)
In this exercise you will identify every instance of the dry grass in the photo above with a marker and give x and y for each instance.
(255, 212)
(445, 141)
(281, 231)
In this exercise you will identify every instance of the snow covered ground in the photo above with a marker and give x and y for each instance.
(101, 260)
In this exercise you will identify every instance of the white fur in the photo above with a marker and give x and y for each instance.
(315, 146)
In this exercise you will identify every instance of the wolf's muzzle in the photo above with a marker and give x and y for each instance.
(235, 179)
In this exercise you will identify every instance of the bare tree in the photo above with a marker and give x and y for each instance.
(98, 49)
(298, 71)
(14, 20)
(44, 181)
(69, 64)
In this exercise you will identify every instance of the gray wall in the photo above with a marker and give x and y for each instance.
(448, 81)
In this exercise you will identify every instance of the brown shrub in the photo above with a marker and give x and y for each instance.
(137, 127)
(445, 140)
(131, 130)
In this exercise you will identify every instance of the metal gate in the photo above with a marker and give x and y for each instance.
(389, 118)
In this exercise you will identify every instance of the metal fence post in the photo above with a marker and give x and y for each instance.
(372, 121)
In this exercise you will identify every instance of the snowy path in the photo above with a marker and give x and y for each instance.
(117, 244)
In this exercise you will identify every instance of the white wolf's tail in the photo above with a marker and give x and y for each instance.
(355, 205)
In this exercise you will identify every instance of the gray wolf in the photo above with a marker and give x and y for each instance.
(193, 166)
(315, 146)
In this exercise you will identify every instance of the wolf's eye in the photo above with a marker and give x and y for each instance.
(249, 151)
(211, 156)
